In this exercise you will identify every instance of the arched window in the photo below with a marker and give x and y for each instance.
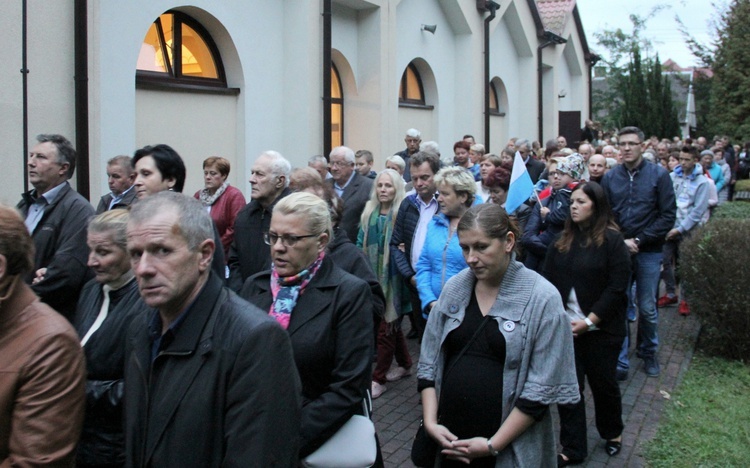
(337, 109)
(411, 90)
(494, 100)
(178, 50)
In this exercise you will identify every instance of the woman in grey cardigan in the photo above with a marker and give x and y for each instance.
(525, 348)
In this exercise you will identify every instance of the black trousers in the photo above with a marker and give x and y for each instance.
(596, 359)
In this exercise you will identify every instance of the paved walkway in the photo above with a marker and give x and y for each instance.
(398, 411)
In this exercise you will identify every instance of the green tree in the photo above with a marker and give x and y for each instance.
(729, 112)
(636, 92)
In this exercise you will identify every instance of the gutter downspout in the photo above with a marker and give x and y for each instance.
(25, 99)
(492, 7)
(327, 142)
(593, 59)
(80, 15)
(540, 93)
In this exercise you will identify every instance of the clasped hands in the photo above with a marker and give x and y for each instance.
(463, 450)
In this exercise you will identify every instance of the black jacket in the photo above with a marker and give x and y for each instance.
(102, 440)
(352, 260)
(355, 196)
(332, 335)
(225, 392)
(403, 233)
(60, 241)
(248, 254)
(600, 276)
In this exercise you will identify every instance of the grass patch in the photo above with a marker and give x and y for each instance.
(707, 420)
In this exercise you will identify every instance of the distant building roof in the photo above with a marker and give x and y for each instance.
(554, 14)
(671, 65)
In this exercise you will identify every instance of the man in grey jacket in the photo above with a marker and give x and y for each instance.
(56, 216)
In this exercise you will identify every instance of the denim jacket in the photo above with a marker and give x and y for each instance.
(539, 362)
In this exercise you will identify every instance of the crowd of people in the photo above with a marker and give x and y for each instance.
(167, 330)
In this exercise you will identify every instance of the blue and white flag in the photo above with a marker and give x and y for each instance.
(521, 186)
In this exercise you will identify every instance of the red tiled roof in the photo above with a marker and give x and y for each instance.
(554, 14)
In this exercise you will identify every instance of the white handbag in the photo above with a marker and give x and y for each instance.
(352, 446)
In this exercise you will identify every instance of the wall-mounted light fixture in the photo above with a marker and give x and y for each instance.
(429, 27)
(562, 93)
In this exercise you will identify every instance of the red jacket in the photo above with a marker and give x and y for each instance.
(224, 211)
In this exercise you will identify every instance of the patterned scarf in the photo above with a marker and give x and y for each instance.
(207, 199)
(375, 244)
(287, 290)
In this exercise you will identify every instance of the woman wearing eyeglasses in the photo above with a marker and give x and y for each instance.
(326, 311)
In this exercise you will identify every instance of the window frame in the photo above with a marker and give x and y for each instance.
(338, 101)
(402, 91)
(173, 78)
(493, 93)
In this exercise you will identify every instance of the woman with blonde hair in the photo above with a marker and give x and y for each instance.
(441, 256)
(376, 227)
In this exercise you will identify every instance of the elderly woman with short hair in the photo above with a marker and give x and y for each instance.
(222, 201)
(326, 311)
(441, 256)
(107, 306)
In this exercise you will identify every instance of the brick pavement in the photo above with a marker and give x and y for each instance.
(398, 411)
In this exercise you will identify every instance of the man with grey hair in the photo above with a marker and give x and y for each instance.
(413, 139)
(201, 357)
(56, 216)
(320, 164)
(270, 180)
(120, 178)
(533, 166)
(353, 189)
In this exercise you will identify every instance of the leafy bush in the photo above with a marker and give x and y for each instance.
(742, 185)
(715, 266)
(732, 210)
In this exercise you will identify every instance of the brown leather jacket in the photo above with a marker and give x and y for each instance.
(42, 380)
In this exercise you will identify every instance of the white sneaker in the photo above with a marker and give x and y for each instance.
(377, 389)
(397, 373)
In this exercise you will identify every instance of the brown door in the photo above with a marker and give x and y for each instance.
(570, 127)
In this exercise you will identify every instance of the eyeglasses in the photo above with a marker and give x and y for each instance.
(628, 144)
(339, 164)
(287, 240)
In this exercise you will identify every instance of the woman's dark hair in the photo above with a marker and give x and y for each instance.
(461, 144)
(168, 162)
(596, 229)
(499, 177)
(492, 219)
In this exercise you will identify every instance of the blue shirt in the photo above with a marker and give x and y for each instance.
(36, 209)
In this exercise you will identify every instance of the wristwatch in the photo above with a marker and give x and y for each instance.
(637, 241)
(590, 324)
(493, 452)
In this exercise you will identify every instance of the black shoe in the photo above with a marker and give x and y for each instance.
(651, 366)
(621, 375)
(612, 447)
(412, 334)
(561, 461)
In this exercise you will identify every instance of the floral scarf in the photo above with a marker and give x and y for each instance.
(208, 199)
(287, 290)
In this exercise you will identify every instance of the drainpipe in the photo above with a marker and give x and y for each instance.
(551, 39)
(492, 7)
(327, 13)
(80, 15)
(25, 99)
(593, 59)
